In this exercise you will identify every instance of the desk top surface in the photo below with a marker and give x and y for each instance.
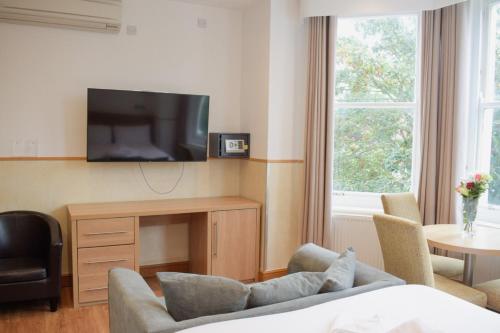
(158, 207)
(486, 240)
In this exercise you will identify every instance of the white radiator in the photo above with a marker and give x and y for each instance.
(359, 232)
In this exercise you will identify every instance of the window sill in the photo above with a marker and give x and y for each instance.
(356, 203)
(495, 225)
(355, 211)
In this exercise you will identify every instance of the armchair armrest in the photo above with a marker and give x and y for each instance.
(133, 307)
(55, 231)
(55, 248)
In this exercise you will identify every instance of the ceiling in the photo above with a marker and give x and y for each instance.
(233, 4)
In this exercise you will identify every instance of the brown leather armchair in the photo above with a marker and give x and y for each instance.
(30, 257)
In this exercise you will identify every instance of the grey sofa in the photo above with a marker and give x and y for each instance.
(133, 307)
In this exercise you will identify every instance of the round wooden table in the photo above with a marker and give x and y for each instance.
(486, 241)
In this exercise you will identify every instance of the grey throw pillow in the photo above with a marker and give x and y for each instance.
(286, 288)
(341, 272)
(311, 258)
(189, 296)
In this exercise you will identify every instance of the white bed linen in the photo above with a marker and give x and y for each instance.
(418, 309)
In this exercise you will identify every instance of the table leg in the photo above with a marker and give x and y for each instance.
(468, 269)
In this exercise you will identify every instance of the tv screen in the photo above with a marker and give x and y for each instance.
(146, 126)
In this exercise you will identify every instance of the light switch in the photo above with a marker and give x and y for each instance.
(202, 23)
(131, 30)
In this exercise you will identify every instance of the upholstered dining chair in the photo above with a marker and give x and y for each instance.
(406, 255)
(492, 290)
(30, 257)
(405, 205)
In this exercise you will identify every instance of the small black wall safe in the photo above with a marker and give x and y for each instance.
(229, 145)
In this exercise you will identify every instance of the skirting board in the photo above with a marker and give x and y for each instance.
(268, 275)
(146, 271)
(151, 270)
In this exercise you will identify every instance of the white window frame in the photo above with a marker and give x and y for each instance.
(483, 124)
(369, 202)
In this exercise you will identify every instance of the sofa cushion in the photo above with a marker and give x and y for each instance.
(21, 269)
(311, 258)
(286, 288)
(340, 274)
(189, 296)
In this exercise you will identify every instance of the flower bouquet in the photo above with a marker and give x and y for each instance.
(470, 190)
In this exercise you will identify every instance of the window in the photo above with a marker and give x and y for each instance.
(489, 109)
(375, 104)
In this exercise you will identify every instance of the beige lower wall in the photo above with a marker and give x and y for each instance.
(280, 186)
(285, 201)
(164, 239)
(48, 186)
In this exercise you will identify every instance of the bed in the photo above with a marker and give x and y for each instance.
(408, 309)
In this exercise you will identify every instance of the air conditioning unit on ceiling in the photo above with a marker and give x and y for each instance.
(95, 15)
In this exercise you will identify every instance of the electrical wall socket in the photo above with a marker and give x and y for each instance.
(17, 148)
(26, 147)
(31, 147)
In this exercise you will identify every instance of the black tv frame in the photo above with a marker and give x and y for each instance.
(144, 119)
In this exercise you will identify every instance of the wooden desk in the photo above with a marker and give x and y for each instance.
(224, 239)
(486, 241)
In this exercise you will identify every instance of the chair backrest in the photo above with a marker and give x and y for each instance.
(23, 234)
(404, 248)
(402, 205)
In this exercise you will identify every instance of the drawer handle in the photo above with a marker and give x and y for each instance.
(104, 261)
(96, 289)
(105, 233)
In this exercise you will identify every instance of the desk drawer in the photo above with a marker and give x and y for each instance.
(93, 288)
(99, 260)
(102, 232)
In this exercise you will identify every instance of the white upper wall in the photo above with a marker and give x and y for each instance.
(45, 72)
(287, 81)
(369, 7)
(274, 69)
(255, 76)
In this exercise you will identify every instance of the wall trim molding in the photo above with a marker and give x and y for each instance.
(147, 271)
(43, 158)
(263, 160)
(276, 273)
(84, 158)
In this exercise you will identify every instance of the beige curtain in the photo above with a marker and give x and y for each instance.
(438, 115)
(316, 225)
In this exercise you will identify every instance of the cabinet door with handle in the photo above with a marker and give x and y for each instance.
(235, 235)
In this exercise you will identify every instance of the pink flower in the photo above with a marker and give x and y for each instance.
(470, 185)
(478, 177)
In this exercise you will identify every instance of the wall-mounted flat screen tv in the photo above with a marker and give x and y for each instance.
(139, 126)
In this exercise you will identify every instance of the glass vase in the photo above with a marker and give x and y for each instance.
(469, 215)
